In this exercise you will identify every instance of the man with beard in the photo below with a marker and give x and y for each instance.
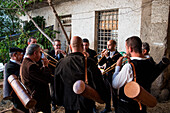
(110, 57)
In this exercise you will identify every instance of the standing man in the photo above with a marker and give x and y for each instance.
(158, 67)
(30, 40)
(86, 48)
(143, 68)
(13, 67)
(145, 52)
(36, 78)
(68, 71)
(58, 54)
(110, 57)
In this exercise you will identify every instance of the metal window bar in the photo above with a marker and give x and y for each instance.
(107, 28)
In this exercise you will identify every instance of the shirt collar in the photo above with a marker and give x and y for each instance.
(147, 56)
(137, 58)
(14, 61)
(112, 53)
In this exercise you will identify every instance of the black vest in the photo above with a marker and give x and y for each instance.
(144, 69)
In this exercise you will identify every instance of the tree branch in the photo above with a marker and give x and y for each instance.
(34, 23)
(54, 11)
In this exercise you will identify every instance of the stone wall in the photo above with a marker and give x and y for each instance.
(83, 17)
(145, 18)
(154, 30)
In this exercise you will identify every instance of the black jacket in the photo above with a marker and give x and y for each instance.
(68, 71)
(109, 62)
(12, 68)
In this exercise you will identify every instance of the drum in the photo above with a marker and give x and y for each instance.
(21, 92)
(85, 90)
(135, 91)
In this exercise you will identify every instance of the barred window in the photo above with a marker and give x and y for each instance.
(107, 28)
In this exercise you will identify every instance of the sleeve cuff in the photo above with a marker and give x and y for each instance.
(117, 68)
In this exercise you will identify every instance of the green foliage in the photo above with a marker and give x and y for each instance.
(19, 41)
(11, 24)
(40, 21)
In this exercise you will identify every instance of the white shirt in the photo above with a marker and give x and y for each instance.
(111, 54)
(120, 78)
(147, 56)
(15, 62)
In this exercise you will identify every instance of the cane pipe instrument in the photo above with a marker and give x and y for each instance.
(52, 61)
(52, 64)
(111, 67)
(21, 92)
(49, 55)
(102, 56)
(100, 53)
(82, 88)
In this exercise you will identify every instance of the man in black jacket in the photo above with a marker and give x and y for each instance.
(58, 54)
(68, 71)
(110, 57)
(13, 67)
(86, 48)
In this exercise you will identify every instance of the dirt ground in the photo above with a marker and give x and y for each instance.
(163, 107)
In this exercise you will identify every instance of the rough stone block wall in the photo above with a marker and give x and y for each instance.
(154, 30)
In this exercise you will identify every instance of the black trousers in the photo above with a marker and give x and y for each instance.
(80, 111)
(129, 107)
(111, 92)
(52, 94)
(17, 104)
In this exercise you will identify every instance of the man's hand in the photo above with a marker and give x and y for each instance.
(58, 51)
(45, 62)
(119, 61)
(86, 54)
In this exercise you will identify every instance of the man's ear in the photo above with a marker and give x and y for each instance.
(144, 51)
(35, 53)
(15, 54)
(130, 49)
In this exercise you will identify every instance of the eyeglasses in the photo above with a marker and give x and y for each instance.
(58, 45)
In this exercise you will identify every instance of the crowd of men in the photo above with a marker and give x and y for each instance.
(52, 85)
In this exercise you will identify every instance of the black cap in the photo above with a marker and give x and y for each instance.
(15, 49)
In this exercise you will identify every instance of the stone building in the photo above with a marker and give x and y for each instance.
(101, 20)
